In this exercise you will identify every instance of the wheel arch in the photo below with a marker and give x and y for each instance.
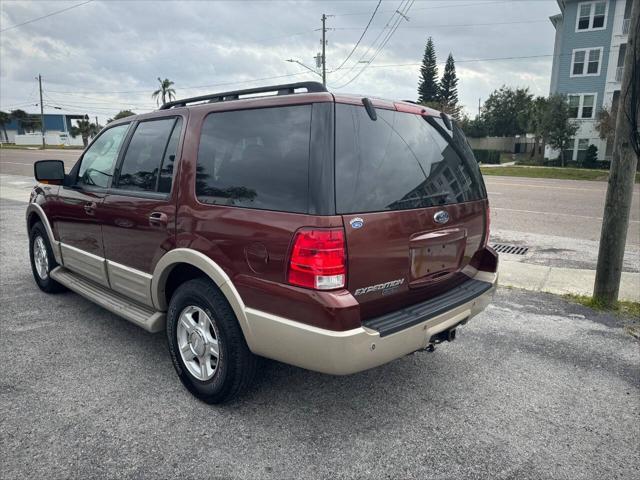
(34, 214)
(188, 260)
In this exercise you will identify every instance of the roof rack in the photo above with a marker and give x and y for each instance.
(288, 89)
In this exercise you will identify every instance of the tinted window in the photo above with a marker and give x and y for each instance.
(256, 158)
(99, 161)
(146, 154)
(399, 162)
(168, 162)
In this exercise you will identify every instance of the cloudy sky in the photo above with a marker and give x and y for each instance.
(104, 56)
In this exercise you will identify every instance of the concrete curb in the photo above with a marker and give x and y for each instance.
(562, 281)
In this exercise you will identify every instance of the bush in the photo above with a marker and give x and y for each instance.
(591, 157)
(487, 156)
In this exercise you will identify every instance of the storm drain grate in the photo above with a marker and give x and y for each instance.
(511, 249)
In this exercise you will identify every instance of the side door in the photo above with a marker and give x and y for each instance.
(78, 215)
(139, 212)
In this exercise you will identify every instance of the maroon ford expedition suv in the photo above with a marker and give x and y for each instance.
(331, 232)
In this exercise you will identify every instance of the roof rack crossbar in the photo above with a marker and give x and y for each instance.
(288, 89)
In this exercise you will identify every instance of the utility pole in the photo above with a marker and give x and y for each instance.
(478, 107)
(324, 57)
(626, 148)
(41, 110)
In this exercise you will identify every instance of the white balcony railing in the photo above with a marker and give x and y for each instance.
(619, 71)
(625, 26)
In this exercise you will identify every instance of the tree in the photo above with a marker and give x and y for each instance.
(557, 125)
(5, 119)
(165, 91)
(606, 123)
(474, 128)
(448, 92)
(591, 157)
(428, 88)
(536, 122)
(26, 122)
(85, 129)
(121, 114)
(507, 111)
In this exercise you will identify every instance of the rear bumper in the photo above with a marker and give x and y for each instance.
(351, 351)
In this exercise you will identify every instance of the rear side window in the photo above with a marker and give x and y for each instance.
(256, 159)
(398, 162)
(148, 161)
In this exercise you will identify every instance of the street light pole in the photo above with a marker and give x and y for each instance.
(324, 58)
(41, 111)
(293, 60)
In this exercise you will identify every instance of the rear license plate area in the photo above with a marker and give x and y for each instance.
(436, 255)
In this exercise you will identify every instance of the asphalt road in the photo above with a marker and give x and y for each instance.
(564, 208)
(533, 388)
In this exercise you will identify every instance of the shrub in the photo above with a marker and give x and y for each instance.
(487, 156)
(591, 157)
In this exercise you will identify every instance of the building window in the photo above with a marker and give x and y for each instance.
(583, 144)
(578, 63)
(582, 105)
(591, 16)
(586, 62)
(574, 105)
(587, 106)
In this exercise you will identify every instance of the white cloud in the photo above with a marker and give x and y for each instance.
(122, 46)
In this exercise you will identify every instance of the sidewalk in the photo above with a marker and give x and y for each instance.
(562, 281)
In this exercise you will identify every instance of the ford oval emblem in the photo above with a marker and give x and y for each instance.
(441, 217)
(356, 222)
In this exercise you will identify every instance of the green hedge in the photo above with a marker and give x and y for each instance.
(487, 156)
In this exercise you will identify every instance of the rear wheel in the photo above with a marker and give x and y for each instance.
(42, 259)
(206, 343)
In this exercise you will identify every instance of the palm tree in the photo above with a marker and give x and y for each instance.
(165, 91)
(21, 117)
(85, 129)
(5, 119)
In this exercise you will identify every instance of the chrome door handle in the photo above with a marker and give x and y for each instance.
(158, 218)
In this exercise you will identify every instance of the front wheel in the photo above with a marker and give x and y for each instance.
(206, 343)
(42, 259)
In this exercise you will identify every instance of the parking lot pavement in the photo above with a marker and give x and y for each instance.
(532, 388)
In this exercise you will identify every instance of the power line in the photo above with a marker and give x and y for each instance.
(401, 16)
(445, 25)
(46, 16)
(361, 37)
(195, 87)
(426, 8)
(345, 74)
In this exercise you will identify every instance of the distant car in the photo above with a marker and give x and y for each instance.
(332, 232)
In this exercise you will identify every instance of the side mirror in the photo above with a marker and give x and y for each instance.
(49, 171)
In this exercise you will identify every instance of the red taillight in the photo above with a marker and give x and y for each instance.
(318, 259)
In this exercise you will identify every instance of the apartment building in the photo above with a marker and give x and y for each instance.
(589, 51)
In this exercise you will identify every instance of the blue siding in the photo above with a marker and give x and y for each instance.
(570, 40)
(52, 121)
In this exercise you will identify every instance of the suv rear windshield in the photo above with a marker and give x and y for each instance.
(398, 162)
(256, 159)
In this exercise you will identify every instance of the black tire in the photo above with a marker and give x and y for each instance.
(46, 284)
(236, 365)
